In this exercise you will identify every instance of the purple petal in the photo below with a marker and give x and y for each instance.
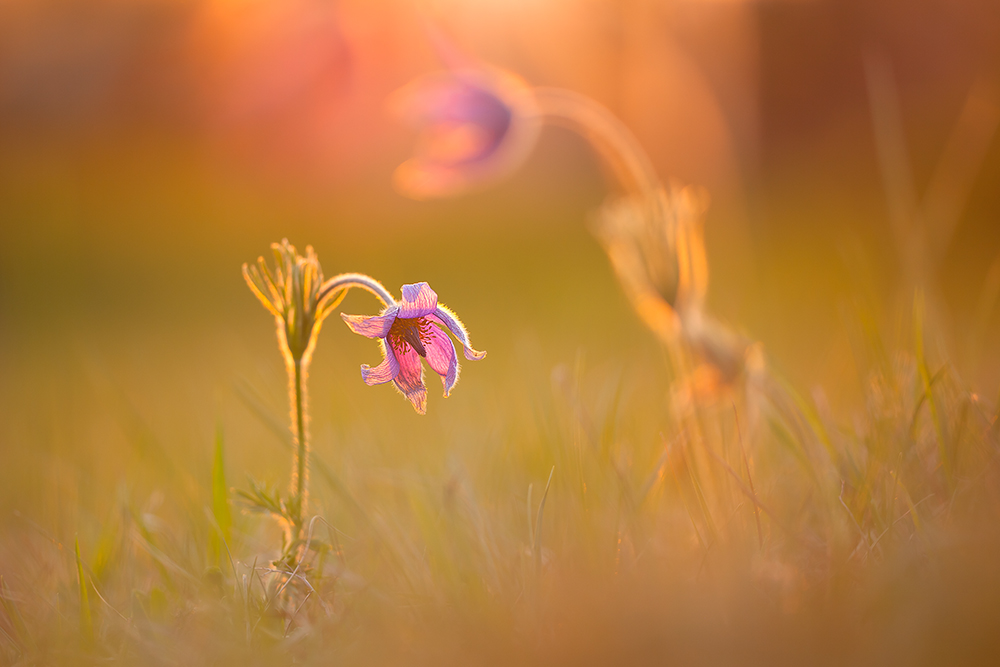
(387, 370)
(440, 354)
(418, 300)
(410, 379)
(372, 327)
(445, 317)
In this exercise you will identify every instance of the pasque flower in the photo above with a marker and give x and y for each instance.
(295, 292)
(408, 330)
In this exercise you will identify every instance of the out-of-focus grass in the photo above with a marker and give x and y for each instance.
(141, 382)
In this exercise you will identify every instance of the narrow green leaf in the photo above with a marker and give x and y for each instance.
(220, 491)
(926, 380)
(536, 542)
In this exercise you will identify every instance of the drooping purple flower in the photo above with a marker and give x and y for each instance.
(414, 327)
(477, 124)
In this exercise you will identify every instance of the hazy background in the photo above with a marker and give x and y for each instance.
(148, 149)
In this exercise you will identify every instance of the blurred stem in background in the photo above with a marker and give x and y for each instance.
(479, 123)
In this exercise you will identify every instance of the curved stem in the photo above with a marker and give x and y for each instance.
(348, 280)
(633, 169)
(608, 135)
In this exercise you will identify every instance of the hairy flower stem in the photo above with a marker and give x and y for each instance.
(298, 396)
(298, 371)
(296, 294)
(346, 281)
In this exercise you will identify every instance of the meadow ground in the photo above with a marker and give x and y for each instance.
(844, 512)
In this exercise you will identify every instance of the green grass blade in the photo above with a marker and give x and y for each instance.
(928, 385)
(536, 541)
(86, 618)
(220, 497)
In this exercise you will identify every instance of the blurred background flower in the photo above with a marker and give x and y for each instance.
(477, 124)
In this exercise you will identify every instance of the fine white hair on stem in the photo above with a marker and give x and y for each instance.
(348, 280)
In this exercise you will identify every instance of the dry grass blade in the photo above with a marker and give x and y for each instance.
(928, 387)
(854, 519)
(24, 637)
(747, 491)
(746, 466)
(960, 163)
(536, 538)
(86, 617)
(657, 473)
(288, 578)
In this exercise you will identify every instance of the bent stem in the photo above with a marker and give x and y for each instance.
(608, 135)
(645, 230)
(634, 171)
(346, 281)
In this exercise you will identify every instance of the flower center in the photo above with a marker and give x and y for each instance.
(407, 330)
